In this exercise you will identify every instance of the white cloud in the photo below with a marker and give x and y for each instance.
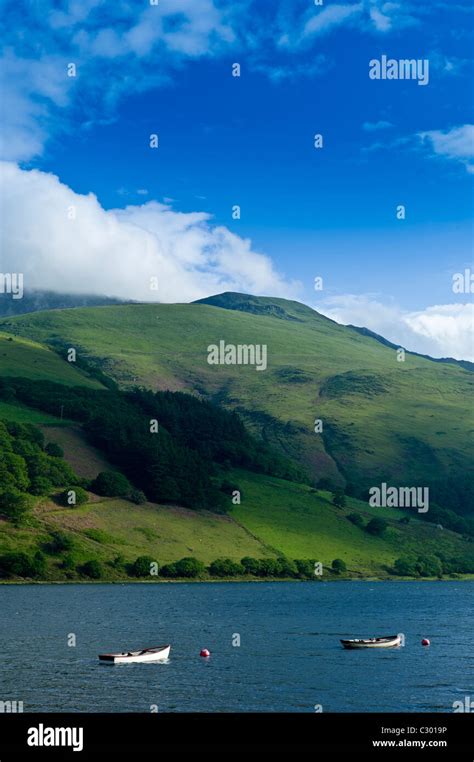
(38, 96)
(456, 144)
(330, 17)
(129, 46)
(444, 330)
(30, 89)
(448, 326)
(369, 15)
(116, 252)
(386, 16)
(382, 22)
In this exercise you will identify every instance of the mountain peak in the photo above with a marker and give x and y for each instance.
(285, 309)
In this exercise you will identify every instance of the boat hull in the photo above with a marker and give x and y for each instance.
(161, 653)
(392, 641)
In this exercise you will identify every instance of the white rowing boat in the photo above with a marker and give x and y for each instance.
(390, 641)
(156, 653)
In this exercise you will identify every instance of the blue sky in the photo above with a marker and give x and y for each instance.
(248, 140)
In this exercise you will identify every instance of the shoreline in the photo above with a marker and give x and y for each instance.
(461, 578)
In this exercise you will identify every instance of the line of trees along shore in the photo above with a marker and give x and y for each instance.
(22, 565)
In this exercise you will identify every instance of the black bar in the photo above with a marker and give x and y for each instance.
(443, 734)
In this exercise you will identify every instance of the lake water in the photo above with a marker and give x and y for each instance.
(289, 658)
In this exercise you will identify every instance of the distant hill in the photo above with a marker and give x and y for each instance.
(367, 332)
(260, 305)
(289, 310)
(37, 300)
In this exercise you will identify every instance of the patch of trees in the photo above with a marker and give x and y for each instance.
(92, 569)
(375, 526)
(339, 499)
(455, 494)
(54, 450)
(111, 484)
(225, 567)
(447, 519)
(450, 520)
(432, 565)
(338, 566)
(192, 568)
(142, 567)
(217, 434)
(62, 545)
(34, 566)
(188, 567)
(171, 462)
(72, 496)
(59, 542)
(165, 471)
(356, 519)
(23, 565)
(27, 468)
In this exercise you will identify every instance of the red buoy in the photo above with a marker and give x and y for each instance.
(205, 653)
(425, 642)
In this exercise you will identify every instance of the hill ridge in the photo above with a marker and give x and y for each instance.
(384, 420)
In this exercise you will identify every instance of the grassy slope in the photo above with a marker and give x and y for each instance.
(373, 428)
(28, 359)
(275, 517)
(289, 518)
(24, 414)
(111, 527)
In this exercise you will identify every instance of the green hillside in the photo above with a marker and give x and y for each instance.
(24, 414)
(275, 518)
(304, 525)
(28, 359)
(405, 423)
(109, 527)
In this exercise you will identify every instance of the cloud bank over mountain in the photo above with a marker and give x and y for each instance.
(64, 241)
